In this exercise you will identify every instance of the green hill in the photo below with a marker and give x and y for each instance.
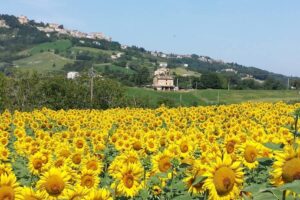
(23, 46)
(42, 62)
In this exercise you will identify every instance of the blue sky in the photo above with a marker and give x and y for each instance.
(260, 33)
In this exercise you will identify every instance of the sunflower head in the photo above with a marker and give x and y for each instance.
(89, 179)
(9, 188)
(54, 181)
(291, 170)
(224, 179)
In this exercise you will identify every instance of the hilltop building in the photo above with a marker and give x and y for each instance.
(3, 24)
(163, 80)
(23, 19)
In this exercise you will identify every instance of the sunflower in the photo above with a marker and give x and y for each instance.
(185, 146)
(162, 162)
(136, 144)
(286, 167)
(130, 156)
(5, 168)
(79, 143)
(195, 172)
(76, 193)
(93, 163)
(151, 145)
(99, 194)
(55, 182)
(89, 179)
(4, 153)
(249, 152)
(31, 194)
(129, 180)
(9, 188)
(37, 163)
(230, 143)
(60, 162)
(224, 179)
(76, 160)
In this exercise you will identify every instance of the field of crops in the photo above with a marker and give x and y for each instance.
(241, 151)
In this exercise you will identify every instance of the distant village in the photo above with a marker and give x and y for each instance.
(57, 28)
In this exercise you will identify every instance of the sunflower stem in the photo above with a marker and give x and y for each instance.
(296, 126)
(284, 195)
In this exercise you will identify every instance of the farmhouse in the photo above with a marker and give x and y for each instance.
(163, 80)
(72, 75)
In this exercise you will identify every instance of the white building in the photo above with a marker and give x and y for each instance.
(124, 47)
(72, 75)
(53, 25)
(230, 70)
(3, 24)
(163, 64)
(23, 19)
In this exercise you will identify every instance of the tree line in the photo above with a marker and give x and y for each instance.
(26, 92)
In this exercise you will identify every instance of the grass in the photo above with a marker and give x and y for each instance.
(115, 68)
(60, 45)
(42, 62)
(93, 50)
(210, 97)
(182, 71)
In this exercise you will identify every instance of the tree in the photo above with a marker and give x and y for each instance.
(3, 91)
(296, 84)
(273, 84)
(211, 80)
(142, 76)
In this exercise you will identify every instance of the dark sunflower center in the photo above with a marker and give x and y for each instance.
(224, 179)
(37, 164)
(87, 181)
(137, 146)
(184, 148)
(164, 164)
(7, 193)
(54, 185)
(76, 159)
(250, 154)
(128, 180)
(230, 147)
(291, 170)
(92, 165)
(79, 144)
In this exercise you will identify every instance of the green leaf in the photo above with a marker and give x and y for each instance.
(264, 196)
(199, 179)
(245, 197)
(144, 194)
(277, 193)
(254, 188)
(184, 165)
(162, 175)
(183, 197)
(265, 161)
(180, 186)
(294, 186)
(274, 146)
(154, 180)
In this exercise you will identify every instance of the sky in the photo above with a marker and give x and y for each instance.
(259, 33)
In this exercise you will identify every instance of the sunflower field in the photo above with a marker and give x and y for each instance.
(226, 152)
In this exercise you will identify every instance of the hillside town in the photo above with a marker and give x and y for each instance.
(58, 28)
